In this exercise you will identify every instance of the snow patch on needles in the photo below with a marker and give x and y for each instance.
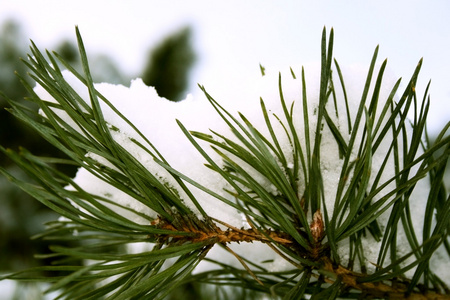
(155, 117)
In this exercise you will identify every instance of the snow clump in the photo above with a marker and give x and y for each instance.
(155, 117)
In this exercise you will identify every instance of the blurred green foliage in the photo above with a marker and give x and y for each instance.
(20, 215)
(169, 64)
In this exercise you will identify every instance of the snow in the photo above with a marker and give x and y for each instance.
(155, 117)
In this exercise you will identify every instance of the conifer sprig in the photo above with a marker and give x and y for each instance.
(296, 224)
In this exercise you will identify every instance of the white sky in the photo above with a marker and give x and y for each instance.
(233, 37)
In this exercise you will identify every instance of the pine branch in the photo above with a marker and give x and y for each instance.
(273, 175)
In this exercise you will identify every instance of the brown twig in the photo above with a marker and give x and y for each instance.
(190, 229)
(376, 289)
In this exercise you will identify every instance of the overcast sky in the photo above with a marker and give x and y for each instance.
(233, 37)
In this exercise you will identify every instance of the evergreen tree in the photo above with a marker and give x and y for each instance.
(169, 63)
(15, 205)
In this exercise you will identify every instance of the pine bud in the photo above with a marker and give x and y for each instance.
(317, 226)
